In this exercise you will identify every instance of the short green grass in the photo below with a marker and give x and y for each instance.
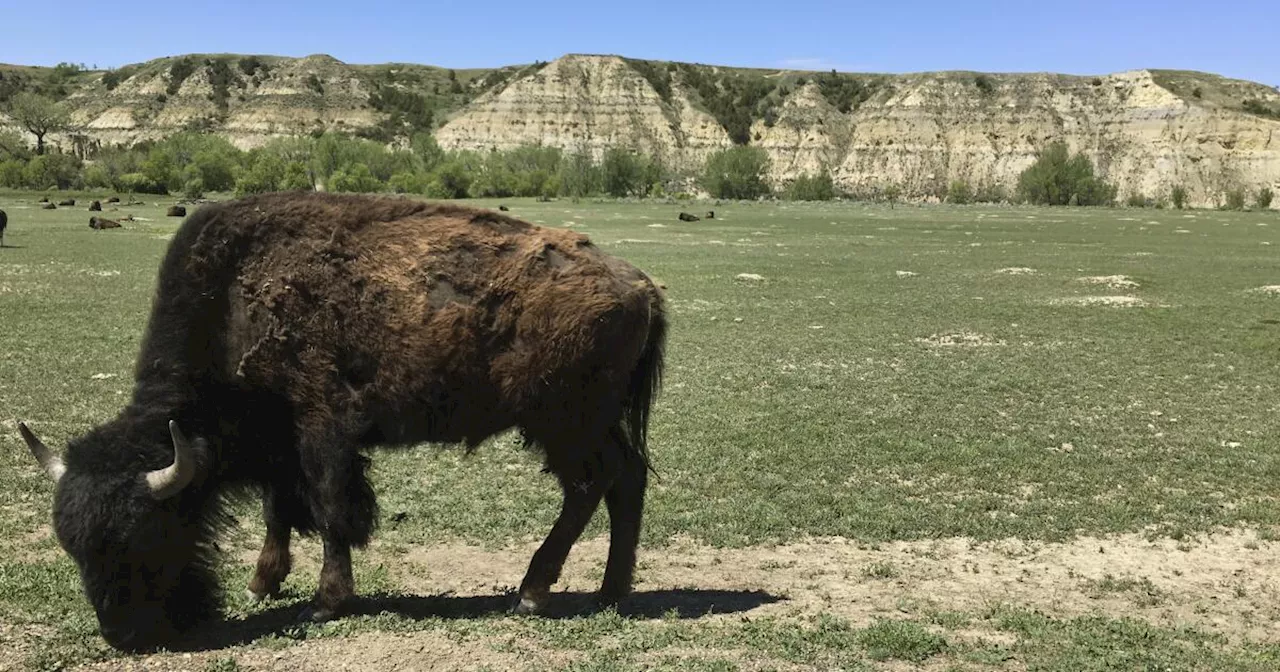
(821, 400)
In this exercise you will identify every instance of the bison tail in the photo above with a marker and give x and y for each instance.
(646, 381)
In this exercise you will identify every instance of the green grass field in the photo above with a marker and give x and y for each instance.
(962, 438)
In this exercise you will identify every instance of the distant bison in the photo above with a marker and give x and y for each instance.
(48, 206)
(44, 199)
(504, 208)
(95, 206)
(67, 202)
(102, 223)
(711, 214)
(113, 199)
(4, 223)
(176, 211)
(292, 331)
(686, 217)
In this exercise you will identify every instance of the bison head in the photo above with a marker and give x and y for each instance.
(138, 550)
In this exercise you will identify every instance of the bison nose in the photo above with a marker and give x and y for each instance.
(120, 637)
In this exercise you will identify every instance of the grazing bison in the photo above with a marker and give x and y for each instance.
(67, 202)
(100, 223)
(4, 223)
(290, 331)
(686, 217)
(95, 206)
(176, 211)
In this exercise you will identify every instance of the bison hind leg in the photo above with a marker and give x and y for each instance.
(589, 467)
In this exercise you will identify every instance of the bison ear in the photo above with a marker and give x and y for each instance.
(169, 481)
(51, 463)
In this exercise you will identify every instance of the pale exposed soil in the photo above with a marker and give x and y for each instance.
(960, 339)
(1225, 583)
(1121, 301)
(1112, 281)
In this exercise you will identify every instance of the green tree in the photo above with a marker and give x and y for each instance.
(265, 174)
(39, 115)
(1235, 199)
(959, 192)
(1262, 200)
(358, 178)
(737, 172)
(49, 171)
(1057, 178)
(807, 187)
(623, 173)
(451, 179)
(580, 176)
(1179, 196)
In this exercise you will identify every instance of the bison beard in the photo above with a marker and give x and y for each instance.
(291, 331)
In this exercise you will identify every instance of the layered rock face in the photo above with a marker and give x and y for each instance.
(1146, 131)
(587, 104)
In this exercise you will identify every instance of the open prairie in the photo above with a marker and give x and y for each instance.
(945, 438)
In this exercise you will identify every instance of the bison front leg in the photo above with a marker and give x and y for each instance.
(344, 507)
(274, 562)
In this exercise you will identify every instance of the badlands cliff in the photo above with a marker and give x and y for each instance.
(1147, 130)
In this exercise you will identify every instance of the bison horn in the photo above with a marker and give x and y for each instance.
(51, 463)
(167, 482)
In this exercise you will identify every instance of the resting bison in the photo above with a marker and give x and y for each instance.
(176, 211)
(289, 331)
(711, 214)
(504, 208)
(686, 217)
(113, 199)
(4, 223)
(102, 223)
(67, 202)
(48, 206)
(95, 206)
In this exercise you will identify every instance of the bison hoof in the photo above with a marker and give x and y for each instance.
(530, 602)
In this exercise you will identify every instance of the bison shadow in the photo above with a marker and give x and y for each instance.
(283, 620)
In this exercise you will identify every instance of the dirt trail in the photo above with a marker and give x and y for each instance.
(1224, 583)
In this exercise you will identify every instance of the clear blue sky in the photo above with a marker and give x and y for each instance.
(1237, 38)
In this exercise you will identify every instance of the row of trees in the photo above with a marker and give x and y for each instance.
(194, 163)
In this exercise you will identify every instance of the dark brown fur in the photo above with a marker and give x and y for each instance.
(176, 211)
(294, 330)
(100, 223)
(686, 217)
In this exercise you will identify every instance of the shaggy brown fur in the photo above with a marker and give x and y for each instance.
(293, 330)
(176, 211)
(102, 223)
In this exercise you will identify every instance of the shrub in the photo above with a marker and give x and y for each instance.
(737, 172)
(296, 177)
(179, 71)
(959, 193)
(580, 176)
(1235, 199)
(985, 84)
(60, 171)
(818, 187)
(1262, 200)
(1197, 93)
(137, 183)
(357, 179)
(991, 193)
(1056, 178)
(451, 179)
(1179, 196)
(623, 173)
(12, 174)
(1136, 200)
(265, 174)
(194, 188)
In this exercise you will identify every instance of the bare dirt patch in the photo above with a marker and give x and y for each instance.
(1224, 583)
(967, 339)
(1017, 270)
(1116, 301)
(1270, 290)
(1112, 281)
